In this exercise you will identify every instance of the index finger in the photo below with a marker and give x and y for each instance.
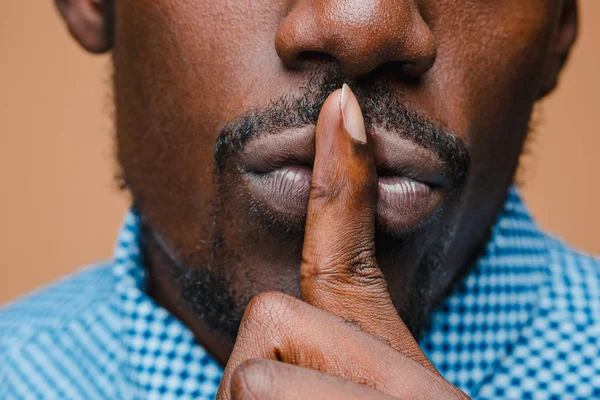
(339, 272)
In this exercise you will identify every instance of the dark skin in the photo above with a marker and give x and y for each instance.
(185, 69)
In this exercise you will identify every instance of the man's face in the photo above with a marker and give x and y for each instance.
(216, 103)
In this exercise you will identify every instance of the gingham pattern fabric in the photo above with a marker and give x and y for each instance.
(97, 335)
(524, 324)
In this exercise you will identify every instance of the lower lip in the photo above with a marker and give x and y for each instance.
(403, 203)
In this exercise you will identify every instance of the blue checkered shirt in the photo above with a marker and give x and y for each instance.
(525, 323)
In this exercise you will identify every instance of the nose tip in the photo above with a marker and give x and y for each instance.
(360, 35)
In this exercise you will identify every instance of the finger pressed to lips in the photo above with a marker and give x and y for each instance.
(339, 272)
(277, 170)
(346, 324)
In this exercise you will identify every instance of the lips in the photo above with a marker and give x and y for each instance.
(277, 171)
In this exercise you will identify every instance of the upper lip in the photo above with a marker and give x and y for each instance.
(394, 155)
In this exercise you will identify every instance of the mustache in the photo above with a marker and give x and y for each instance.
(379, 106)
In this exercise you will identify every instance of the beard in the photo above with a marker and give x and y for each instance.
(219, 290)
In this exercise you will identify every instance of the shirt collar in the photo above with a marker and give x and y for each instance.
(470, 334)
(162, 358)
(478, 325)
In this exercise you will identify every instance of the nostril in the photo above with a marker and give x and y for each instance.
(413, 71)
(404, 72)
(316, 56)
(305, 58)
(356, 39)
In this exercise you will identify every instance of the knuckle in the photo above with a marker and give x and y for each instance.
(362, 263)
(324, 190)
(270, 311)
(355, 190)
(356, 266)
(251, 378)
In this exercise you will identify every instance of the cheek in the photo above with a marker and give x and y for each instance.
(487, 78)
(182, 70)
(210, 56)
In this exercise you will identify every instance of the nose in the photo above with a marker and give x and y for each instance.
(359, 34)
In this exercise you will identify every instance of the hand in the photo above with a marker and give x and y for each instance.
(344, 339)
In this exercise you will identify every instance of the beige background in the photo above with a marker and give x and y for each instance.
(60, 208)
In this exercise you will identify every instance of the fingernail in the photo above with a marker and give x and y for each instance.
(352, 115)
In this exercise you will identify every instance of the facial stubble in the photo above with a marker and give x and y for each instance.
(213, 291)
